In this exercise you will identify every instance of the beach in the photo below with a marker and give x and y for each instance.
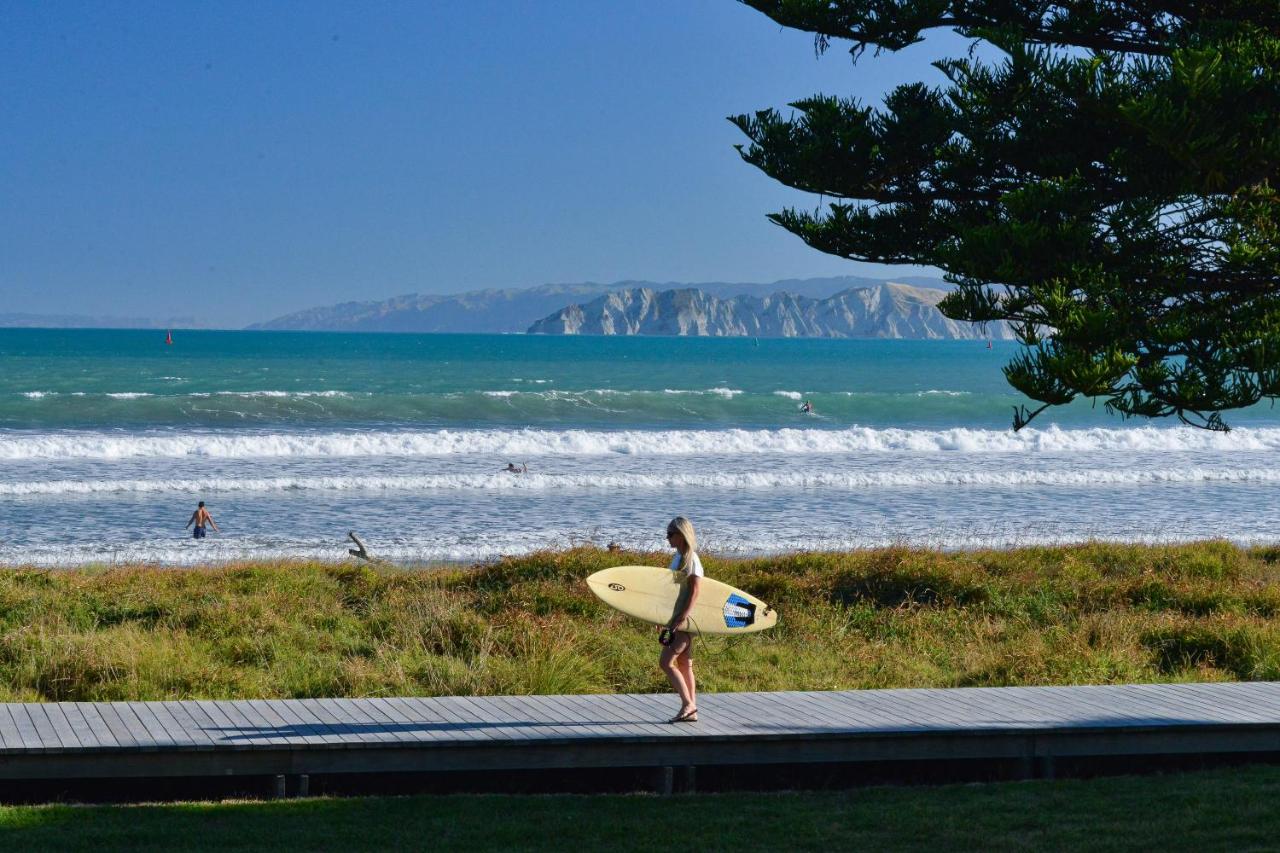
(108, 439)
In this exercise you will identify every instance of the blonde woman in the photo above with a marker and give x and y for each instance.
(677, 650)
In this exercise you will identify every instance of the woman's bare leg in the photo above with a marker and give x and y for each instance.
(685, 664)
(670, 663)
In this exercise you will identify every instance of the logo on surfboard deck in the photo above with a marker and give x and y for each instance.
(738, 612)
(617, 587)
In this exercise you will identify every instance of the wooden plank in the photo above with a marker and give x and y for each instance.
(874, 711)
(156, 730)
(1157, 709)
(423, 718)
(350, 720)
(275, 730)
(1095, 708)
(525, 720)
(9, 736)
(93, 719)
(85, 735)
(569, 717)
(459, 723)
(652, 716)
(1185, 705)
(1209, 708)
(803, 712)
(471, 717)
(241, 731)
(28, 731)
(183, 716)
(305, 718)
(49, 734)
(405, 727)
(142, 736)
(624, 716)
(120, 729)
(483, 717)
(871, 709)
(915, 709)
(587, 717)
(61, 725)
(963, 709)
(247, 724)
(199, 719)
(1245, 703)
(631, 719)
(1252, 699)
(217, 725)
(181, 732)
(841, 715)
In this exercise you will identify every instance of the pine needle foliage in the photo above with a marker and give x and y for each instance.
(1107, 184)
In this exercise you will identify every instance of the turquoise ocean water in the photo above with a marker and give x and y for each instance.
(107, 439)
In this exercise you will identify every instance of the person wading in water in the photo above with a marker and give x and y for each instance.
(202, 519)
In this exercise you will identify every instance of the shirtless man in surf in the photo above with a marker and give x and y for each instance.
(202, 519)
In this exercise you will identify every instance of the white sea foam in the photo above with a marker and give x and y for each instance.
(727, 393)
(278, 394)
(702, 481)
(942, 392)
(36, 395)
(536, 442)
(790, 395)
(129, 395)
(443, 547)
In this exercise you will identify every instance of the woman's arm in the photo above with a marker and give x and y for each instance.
(688, 608)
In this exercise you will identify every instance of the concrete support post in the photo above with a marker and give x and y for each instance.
(666, 781)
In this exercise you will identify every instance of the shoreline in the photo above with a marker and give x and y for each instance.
(338, 559)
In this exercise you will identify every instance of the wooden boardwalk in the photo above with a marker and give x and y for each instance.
(73, 740)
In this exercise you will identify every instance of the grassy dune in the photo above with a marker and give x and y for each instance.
(885, 618)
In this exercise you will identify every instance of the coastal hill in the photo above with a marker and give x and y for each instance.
(886, 310)
(513, 310)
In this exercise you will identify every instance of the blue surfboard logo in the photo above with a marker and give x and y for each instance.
(738, 612)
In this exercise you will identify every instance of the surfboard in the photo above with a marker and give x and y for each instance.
(651, 594)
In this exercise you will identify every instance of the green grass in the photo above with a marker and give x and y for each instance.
(895, 617)
(1217, 810)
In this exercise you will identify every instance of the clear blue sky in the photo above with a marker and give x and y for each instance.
(235, 161)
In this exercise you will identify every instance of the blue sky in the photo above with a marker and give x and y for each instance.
(235, 161)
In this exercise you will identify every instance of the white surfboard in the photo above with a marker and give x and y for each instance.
(651, 594)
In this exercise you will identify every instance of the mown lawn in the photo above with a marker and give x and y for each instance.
(885, 618)
(1215, 810)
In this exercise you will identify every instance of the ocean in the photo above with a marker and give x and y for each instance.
(108, 438)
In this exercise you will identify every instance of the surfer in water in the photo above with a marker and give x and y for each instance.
(677, 656)
(807, 408)
(202, 519)
(512, 469)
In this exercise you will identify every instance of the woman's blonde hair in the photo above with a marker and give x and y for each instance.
(684, 527)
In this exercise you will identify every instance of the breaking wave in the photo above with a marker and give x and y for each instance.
(755, 480)
(104, 445)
